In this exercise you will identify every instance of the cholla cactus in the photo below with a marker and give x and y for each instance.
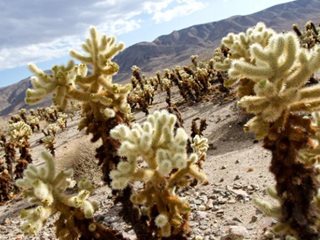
(50, 114)
(48, 190)
(19, 132)
(62, 121)
(49, 142)
(51, 129)
(279, 71)
(167, 166)
(104, 102)
(34, 122)
(237, 47)
(6, 186)
(309, 37)
(23, 114)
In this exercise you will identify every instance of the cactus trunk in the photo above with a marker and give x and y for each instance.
(296, 183)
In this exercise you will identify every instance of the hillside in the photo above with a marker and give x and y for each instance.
(176, 47)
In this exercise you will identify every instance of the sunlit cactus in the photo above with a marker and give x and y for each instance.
(281, 103)
(167, 166)
(238, 46)
(104, 103)
(49, 191)
(19, 132)
(49, 141)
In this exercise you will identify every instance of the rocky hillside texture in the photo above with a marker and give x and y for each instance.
(177, 47)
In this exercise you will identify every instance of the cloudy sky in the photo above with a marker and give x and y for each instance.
(43, 31)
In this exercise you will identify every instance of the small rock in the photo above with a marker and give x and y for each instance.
(202, 208)
(237, 178)
(253, 219)
(236, 233)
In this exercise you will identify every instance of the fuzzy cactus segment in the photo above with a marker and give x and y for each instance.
(166, 166)
(279, 71)
(19, 132)
(46, 188)
(103, 102)
(238, 47)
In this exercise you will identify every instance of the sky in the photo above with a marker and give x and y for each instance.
(44, 31)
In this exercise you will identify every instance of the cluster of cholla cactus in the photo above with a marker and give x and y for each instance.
(270, 71)
(12, 168)
(31, 119)
(6, 183)
(104, 103)
(143, 90)
(53, 194)
(194, 82)
(20, 133)
(167, 166)
(49, 114)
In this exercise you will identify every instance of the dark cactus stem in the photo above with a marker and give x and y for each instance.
(20, 167)
(296, 30)
(296, 183)
(25, 152)
(107, 152)
(6, 186)
(10, 155)
(132, 216)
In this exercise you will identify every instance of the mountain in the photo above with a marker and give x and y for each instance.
(177, 47)
(12, 97)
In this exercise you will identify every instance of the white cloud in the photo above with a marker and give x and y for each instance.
(162, 13)
(39, 30)
(20, 56)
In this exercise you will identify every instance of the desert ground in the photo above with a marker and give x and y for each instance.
(236, 167)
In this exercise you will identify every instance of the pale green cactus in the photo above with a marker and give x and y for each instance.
(19, 132)
(279, 73)
(238, 47)
(47, 189)
(104, 103)
(33, 120)
(60, 82)
(167, 166)
(281, 104)
(200, 146)
(73, 82)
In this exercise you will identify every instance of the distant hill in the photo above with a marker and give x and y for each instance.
(177, 47)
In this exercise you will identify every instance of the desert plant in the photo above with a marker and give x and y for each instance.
(104, 103)
(309, 37)
(166, 167)
(49, 191)
(34, 122)
(237, 46)
(20, 133)
(49, 142)
(277, 72)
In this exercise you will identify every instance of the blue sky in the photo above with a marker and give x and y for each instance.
(43, 31)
